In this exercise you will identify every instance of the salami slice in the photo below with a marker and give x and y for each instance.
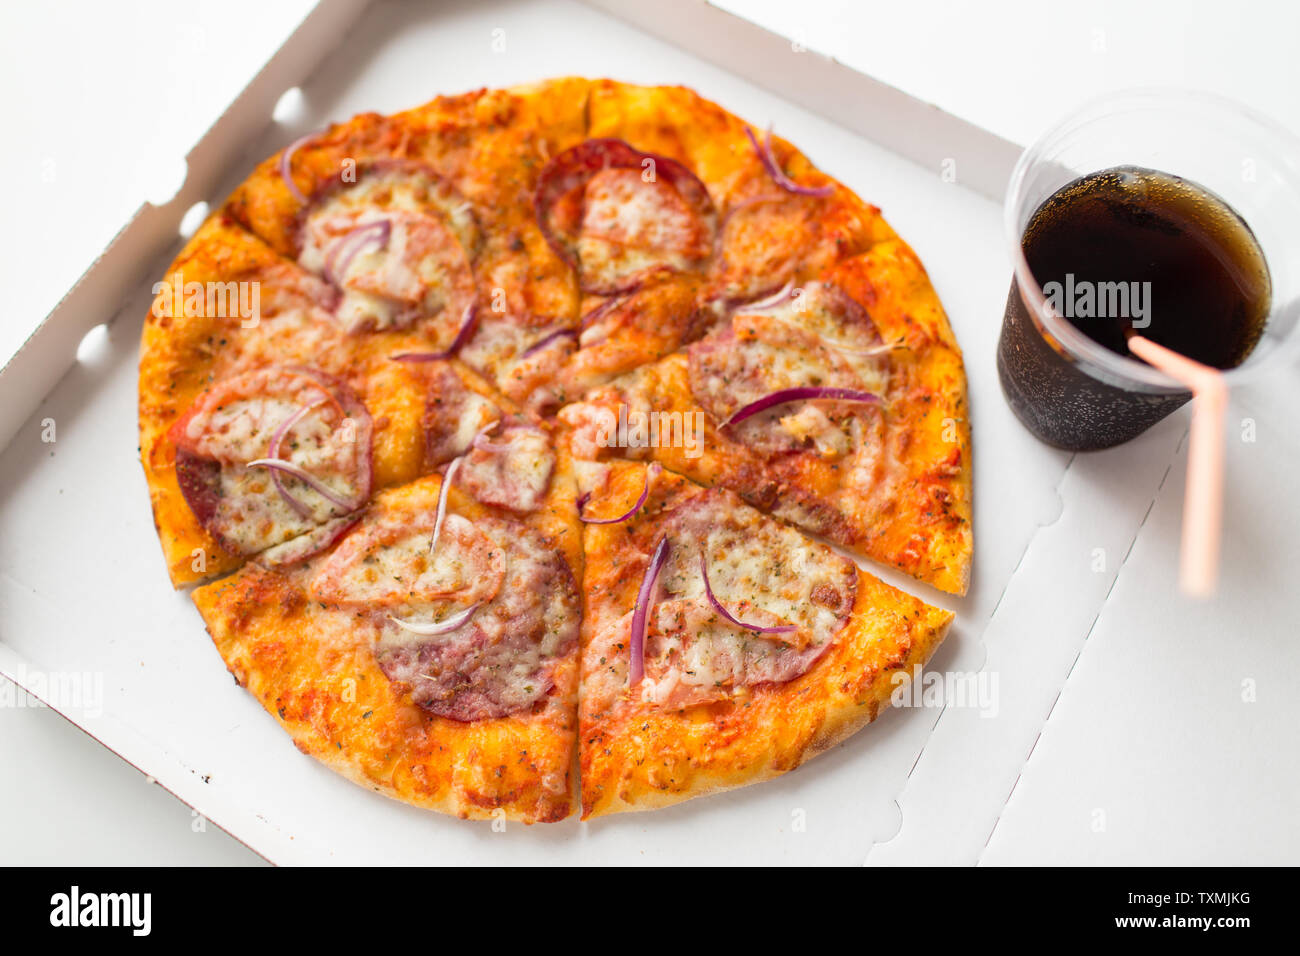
(453, 415)
(475, 627)
(815, 337)
(775, 237)
(617, 214)
(311, 423)
(398, 244)
(511, 470)
(389, 564)
(764, 574)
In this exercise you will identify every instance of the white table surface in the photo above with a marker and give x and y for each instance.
(1184, 743)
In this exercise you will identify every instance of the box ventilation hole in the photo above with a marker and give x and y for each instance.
(167, 177)
(193, 218)
(93, 346)
(290, 107)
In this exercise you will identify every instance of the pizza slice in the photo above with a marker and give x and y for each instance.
(244, 361)
(228, 305)
(416, 217)
(673, 211)
(721, 647)
(838, 405)
(639, 231)
(494, 144)
(430, 654)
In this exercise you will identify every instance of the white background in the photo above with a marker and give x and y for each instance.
(103, 100)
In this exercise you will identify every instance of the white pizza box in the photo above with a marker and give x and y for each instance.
(89, 624)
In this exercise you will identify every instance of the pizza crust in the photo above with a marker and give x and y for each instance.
(178, 354)
(337, 706)
(666, 758)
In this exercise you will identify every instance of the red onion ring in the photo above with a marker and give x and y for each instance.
(652, 471)
(641, 614)
(854, 350)
(767, 302)
(803, 393)
(768, 159)
(277, 464)
(354, 409)
(462, 336)
(838, 345)
(600, 311)
(348, 246)
(286, 158)
(589, 321)
(456, 621)
(442, 501)
(848, 302)
(717, 606)
(548, 339)
(482, 444)
(447, 479)
(274, 452)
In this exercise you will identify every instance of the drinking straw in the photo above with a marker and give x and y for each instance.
(1203, 499)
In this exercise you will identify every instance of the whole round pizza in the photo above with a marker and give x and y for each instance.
(516, 442)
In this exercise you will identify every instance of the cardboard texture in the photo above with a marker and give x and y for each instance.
(83, 588)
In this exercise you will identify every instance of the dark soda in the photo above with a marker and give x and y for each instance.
(1121, 251)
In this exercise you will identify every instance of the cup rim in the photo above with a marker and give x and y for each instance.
(1120, 369)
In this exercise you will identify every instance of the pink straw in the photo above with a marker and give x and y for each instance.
(1203, 499)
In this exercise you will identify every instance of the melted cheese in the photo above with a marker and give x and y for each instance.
(630, 225)
(497, 350)
(514, 472)
(805, 341)
(390, 564)
(422, 269)
(502, 659)
(762, 572)
(251, 514)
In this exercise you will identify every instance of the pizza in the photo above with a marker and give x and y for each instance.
(740, 649)
(519, 450)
